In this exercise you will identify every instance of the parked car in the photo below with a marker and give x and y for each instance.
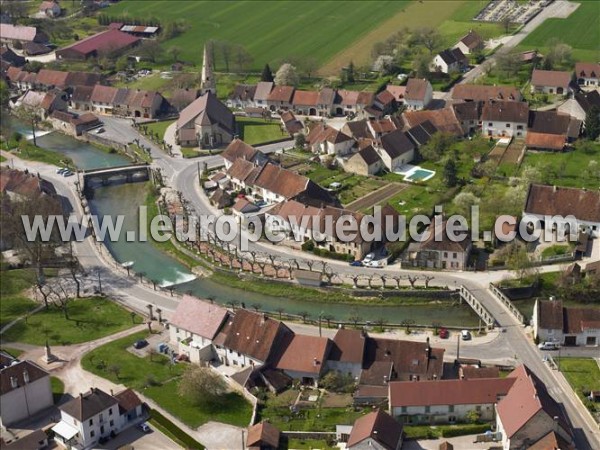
(367, 259)
(376, 264)
(67, 173)
(356, 263)
(465, 335)
(144, 427)
(100, 130)
(443, 333)
(548, 345)
(140, 344)
(61, 170)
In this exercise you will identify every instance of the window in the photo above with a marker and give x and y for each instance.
(508, 125)
(455, 255)
(91, 421)
(404, 409)
(478, 408)
(428, 409)
(490, 124)
(451, 408)
(92, 433)
(111, 423)
(445, 254)
(519, 127)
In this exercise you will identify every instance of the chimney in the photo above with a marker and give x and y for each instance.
(112, 394)
(385, 379)
(315, 363)
(81, 395)
(263, 319)
(26, 376)
(554, 188)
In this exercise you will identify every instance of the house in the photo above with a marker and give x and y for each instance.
(587, 75)
(142, 31)
(446, 401)
(359, 130)
(194, 326)
(380, 127)
(242, 96)
(181, 98)
(325, 140)
(365, 162)
(206, 123)
(9, 34)
(305, 102)
(137, 103)
(261, 94)
(384, 103)
(377, 431)
(468, 115)
(280, 98)
(81, 98)
(551, 82)
(108, 42)
(351, 102)
(73, 124)
(560, 204)
(395, 150)
(263, 436)
(43, 103)
(304, 358)
(481, 93)
(251, 339)
(388, 360)
(500, 118)
(528, 414)
(579, 106)
(347, 352)
(36, 440)
(470, 43)
(549, 130)
(50, 9)
(421, 133)
(325, 102)
(290, 123)
(55, 79)
(239, 149)
(418, 94)
(242, 209)
(443, 120)
(103, 99)
(9, 58)
(35, 49)
(567, 326)
(24, 390)
(437, 251)
(93, 415)
(450, 61)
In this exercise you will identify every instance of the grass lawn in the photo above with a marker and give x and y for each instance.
(309, 444)
(160, 127)
(14, 304)
(577, 30)
(296, 28)
(256, 131)
(583, 375)
(89, 319)
(135, 373)
(58, 388)
(152, 82)
(556, 250)
(32, 153)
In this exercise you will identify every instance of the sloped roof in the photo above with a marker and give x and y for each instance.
(554, 78)
(17, 32)
(397, 91)
(396, 143)
(263, 434)
(239, 149)
(304, 354)
(207, 107)
(359, 129)
(443, 120)
(263, 89)
(281, 181)
(243, 92)
(475, 391)
(551, 441)
(467, 111)
(545, 141)
(564, 201)
(368, 155)
(22, 183)
(105, 41)
(104, 94)
(472, 39)
(587, 70)
(30, 441)
(505, 111)
(305, 98)
(348, 346)
(17, 372)
(326, 96)
(199, 317)
(416, 88)
(281, 94)
(82, 94)
(421, 133)
(128, 400)
(586, 100)
(473, 372)
(550, 122)
(577, 320)
(438, 240)
(476, 92)
(49, 77)
(87, 405)
(380, 427)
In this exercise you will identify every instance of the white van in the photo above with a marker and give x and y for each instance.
(548, 345)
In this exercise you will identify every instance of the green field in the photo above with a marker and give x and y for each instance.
(14, 302)
(270, 31)
(583, 374)
(579, 30)
(259, 131)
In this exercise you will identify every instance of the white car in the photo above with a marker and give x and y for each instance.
(367, 259)
(465, 335)
(548, 346)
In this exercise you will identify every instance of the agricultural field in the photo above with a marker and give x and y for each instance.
(579, 30)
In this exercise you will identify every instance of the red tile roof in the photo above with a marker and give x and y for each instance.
(105, 41)
(239, 149)
(397, 91)
(281, 181)
(476, 92)
(348, 346)
(505, 111)
(564, 201)
(471, 372)
(262, 435)
(380, 427)
(199, 317)
(128, 400)
(52, 78)
(103, 94)
(587, 70)
(551, 78)
(443, 120)
(305, 98)
(545, 141)
(552, 441)
(304, 354)
(476, 391)
(472, 40)
(281, 94)
(416, 89)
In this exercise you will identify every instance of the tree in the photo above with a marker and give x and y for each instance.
(175, 51)
(305, 65)
(350, 72)
(4, 94)
(559, 54)
(300, 141)
(531, 175)
(420, 66)
(450, 173)
(201, 386)
(335, 381)
(519, 261)
(267, 74)
(122, 64)
(509, 63)
(437, 146)
(286, 76)
(506, 23)
(592, 123)
(464, 201)
(407, 323)
(428, 37)
(242, 58)
(151, 49)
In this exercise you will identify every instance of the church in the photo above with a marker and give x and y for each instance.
(206, 122)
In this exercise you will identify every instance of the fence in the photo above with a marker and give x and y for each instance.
(511, 307)
(479, 309)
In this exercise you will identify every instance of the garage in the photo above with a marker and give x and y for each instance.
(570, 341)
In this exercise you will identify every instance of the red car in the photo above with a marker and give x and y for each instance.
(443, 333)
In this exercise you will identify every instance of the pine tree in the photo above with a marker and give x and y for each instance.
(350, 74)
(450, 176)
(267, 74)
(592, 123)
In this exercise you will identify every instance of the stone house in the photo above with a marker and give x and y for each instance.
(568, 326)
(418, 94)
(551, 82)
(365, 162)
(505, 118)
(587, 75)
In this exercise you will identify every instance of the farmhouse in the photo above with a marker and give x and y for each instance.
(206, 122)
(421, 133)
(305, 102)
(446, 401)
(43, 103)
(376, 430)
(395, 150)
(10, 34)
(325, 102)
(579, 106)
(261, 95)
(557, 203)
(74, 124)
(263, 436)
(351, 102)
(470, 43)
(468, 115)
(304, 358)
(365, 162)
(528, 415)
(481, 93)
(242, 96)
(280, 98)
(505, 118)
(194, 326)
(103, 43)
(347, 352)
(443, 120)
(239, 149)
(449, 61)
(9, 58)
(587, 74)
(567, 326)
(551, 82)
(549, 130)
(24, 390)
(323, 139)
(418, 94)
(291, 123)
(94, 415)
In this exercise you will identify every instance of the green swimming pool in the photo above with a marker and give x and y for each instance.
(420, 175)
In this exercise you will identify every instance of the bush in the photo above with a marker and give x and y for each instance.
(174, 431)
(308, 246)
(462, 430)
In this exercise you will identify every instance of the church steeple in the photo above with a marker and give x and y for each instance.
(207, 83)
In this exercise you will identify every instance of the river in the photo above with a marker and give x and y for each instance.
(124, 199)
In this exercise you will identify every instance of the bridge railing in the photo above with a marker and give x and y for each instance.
(479, 309)
(510, 305)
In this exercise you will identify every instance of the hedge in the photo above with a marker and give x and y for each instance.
(173, 431)
(428, 432)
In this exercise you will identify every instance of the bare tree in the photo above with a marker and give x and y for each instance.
(355, 279)
(397, 279)
(328, 318)
(412, 279)
(256, 306)
(383, 279)
(427, 279)
(407, 323)
(280, 311)
(304, 315)
(200, 385)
